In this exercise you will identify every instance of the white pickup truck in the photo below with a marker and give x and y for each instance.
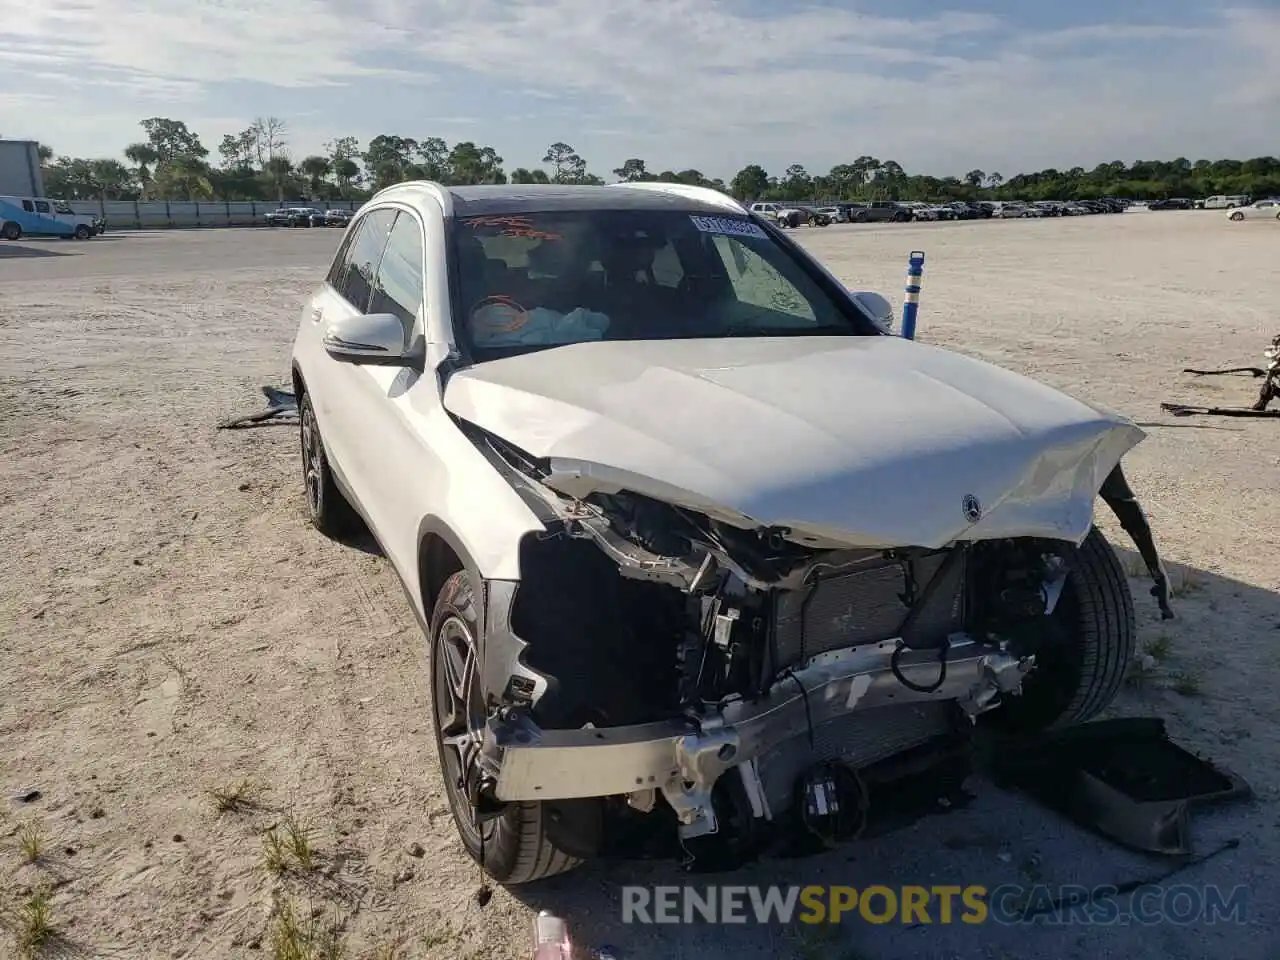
(1226, 203)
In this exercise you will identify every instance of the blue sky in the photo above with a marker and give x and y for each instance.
(941, 86)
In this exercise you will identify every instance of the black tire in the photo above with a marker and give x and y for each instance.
(1237, 215)
(1080, 671)
(513, 847)
(83, 232)
(328, 509)
(11, 231)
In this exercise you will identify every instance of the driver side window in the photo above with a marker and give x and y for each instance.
(354, 268)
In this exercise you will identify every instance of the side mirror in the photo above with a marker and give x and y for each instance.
(880, 309)
(373, 338)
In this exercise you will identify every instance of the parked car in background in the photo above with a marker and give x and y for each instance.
(44, 217)
(290, 217)
(1262, 210)
(1016, 210)
(839, 213)
(878, 211)
(1172, 203)
(766, 209)
(1223, 202)
(337, 218)
(794, 215)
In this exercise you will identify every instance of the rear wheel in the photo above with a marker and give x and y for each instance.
(1237, 215)
(328, 509)
(11, 231)
(1082, 660)
(514, 846)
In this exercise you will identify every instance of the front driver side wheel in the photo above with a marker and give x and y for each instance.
(326, 506)
(516, 843)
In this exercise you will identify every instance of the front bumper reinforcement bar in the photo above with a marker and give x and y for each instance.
(685, 758)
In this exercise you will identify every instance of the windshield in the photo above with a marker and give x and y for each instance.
(538, 280)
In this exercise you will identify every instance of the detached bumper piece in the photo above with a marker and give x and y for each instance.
(282, 407)
(1121, 778)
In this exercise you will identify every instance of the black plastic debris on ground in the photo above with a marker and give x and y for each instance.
(282, 407)
(1270, 390)
(1124, 779)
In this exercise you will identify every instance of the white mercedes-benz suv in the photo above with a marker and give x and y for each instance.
(693, 537)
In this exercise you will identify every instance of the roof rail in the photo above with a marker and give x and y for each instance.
(438, 192)
(688, 190)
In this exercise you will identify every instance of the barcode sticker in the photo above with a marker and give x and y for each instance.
(729, 227)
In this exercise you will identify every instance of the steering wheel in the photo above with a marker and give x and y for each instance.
(516, 316)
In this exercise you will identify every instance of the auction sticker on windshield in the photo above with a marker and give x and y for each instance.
(728, 227)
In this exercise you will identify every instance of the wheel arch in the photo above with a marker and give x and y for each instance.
(441, 554)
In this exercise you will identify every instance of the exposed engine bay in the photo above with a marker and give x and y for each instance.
(655, 657)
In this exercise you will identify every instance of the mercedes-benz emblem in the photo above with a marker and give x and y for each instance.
(972, 508)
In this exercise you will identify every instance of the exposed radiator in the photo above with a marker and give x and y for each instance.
(865, 606)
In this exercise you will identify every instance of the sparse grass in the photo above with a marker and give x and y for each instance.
(1135, 676)
(387, 951)
(275, 852)
(31, 841)
(1158, 646)
(292, 938)
(299, 845)
(245, 795)
(1186, 683)
(288, 847)
(35, 921)
(438, 938)
(1187, 584)
(820, 941)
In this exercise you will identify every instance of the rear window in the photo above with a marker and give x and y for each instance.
(539, 280)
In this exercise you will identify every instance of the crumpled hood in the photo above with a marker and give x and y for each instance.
(857, 441)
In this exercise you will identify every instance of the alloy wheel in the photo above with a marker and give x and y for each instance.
(459, 716)
(312, 459)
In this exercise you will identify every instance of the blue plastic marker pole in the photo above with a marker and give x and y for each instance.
(911, 301)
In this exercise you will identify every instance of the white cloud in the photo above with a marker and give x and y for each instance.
(696, 82)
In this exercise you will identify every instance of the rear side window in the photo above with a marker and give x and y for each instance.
(399, 287)
(42, 206)
(28, 206)
(353, 272)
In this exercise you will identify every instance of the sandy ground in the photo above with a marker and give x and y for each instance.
(170, 625)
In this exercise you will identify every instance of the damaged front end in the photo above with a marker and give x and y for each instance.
(654, 656)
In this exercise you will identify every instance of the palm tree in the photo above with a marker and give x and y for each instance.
(346, 170)
(316, 169)
(279, 168)
(144, 157)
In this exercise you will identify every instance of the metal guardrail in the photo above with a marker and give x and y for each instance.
(191, 214)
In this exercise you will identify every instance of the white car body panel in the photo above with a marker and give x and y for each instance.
(767, 432)
(1262, 210)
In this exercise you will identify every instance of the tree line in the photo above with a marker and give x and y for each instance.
(171, 163)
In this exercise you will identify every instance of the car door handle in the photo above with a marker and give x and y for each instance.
(317, 315)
